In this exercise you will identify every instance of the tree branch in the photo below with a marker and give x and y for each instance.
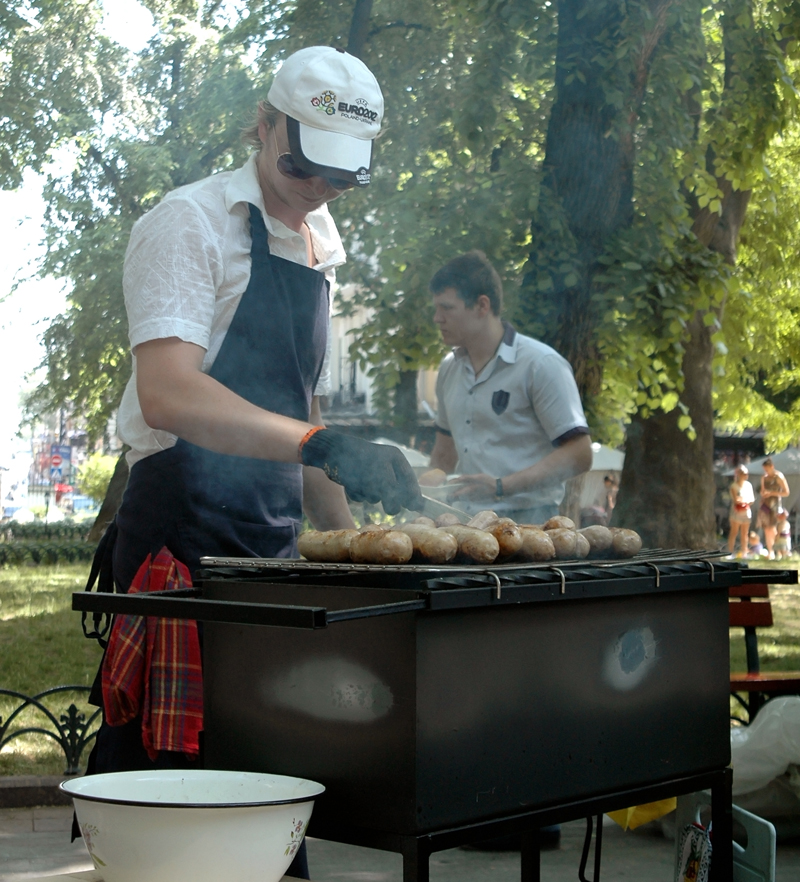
(359, 28)
(398, 24)
(112, 176)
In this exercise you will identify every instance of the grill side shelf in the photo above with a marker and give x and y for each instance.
(167, 605)
(771, 577)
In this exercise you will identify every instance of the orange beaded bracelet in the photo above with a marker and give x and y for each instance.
(305, 438)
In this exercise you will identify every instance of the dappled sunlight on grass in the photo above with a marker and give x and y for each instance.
(34, 755)
(26, 592)
(41, 641)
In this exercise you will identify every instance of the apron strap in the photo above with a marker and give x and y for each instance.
(101, 574)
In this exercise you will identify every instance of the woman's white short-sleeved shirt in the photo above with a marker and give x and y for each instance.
(186, 268)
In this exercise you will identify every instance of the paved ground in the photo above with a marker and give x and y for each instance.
(35, 842)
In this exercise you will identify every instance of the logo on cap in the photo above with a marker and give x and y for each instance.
(326, 102)
(359, 111)
(363, 176)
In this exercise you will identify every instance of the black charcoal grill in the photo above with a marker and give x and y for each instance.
(446, 705)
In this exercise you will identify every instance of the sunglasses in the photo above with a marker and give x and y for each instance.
(290, 169)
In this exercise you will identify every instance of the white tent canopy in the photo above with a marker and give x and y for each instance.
(606, 458)
(605, 461)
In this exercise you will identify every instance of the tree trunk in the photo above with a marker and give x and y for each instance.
(113, 500)
(587, 186)
(405, 403)
(667, 487)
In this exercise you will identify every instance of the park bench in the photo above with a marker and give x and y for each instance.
(750, 608)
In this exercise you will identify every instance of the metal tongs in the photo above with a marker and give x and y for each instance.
(433, 508)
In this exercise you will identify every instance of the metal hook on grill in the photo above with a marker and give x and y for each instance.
(563, 579)
(710, 567)
(658, 574)
(497, 582)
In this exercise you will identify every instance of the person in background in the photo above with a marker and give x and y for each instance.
(740, 516)
(783, 536)
(754, 546)
(773, 488)
(227, 289)
(611, 488)
(510, 420)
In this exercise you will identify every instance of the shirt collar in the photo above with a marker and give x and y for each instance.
(507, 350)
(243, 186)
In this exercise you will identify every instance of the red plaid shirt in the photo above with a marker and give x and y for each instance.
(152, 666)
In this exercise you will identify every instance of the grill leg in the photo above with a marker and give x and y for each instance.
(722, 828)
(530, 866)
(415, 861)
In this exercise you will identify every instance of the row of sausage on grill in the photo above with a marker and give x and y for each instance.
(486, 539)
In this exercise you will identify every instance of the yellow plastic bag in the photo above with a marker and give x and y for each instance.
(631, 818)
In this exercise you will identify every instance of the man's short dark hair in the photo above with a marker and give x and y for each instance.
(470, 275)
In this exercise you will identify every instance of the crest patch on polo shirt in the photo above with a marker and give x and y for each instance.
(500, 401)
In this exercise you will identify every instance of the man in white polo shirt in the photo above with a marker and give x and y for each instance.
(510, 420)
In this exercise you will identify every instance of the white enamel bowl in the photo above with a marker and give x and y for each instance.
(199, 825)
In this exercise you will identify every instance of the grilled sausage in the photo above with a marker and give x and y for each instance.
(381, 547)
(447, 520)
(625, 543)
(431, 545)
(432, 478)
(331, 546)
(508, 535)
(564, 542)
(599, 538)
(536, 544)
(423, 519)
(559, 522)
(582, 546)
(483, 520)
(474, 545)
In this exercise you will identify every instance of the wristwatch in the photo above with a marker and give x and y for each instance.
(499, 493)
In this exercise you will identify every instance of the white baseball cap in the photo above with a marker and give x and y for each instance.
(334, 108)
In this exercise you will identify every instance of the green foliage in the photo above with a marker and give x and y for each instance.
(176, 117)
(758, 381)
(58, 74)
(691, 94)
(714, 94)
(95, 474)
(19, 553)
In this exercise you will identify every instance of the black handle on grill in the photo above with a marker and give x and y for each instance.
(773, 577)
(186, 604)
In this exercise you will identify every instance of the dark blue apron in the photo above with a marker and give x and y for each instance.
(197, 502)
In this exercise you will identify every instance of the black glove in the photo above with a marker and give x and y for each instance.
(368, 472)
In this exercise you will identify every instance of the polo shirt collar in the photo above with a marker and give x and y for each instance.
(507, 351)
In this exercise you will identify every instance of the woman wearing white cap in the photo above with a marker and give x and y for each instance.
(227, 288)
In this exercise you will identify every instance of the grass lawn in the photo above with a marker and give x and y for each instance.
(778, 646)
(42, 645)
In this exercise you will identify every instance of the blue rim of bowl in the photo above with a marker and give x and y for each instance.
(191, 805)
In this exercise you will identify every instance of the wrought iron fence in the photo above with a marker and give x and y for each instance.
(70, 729)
